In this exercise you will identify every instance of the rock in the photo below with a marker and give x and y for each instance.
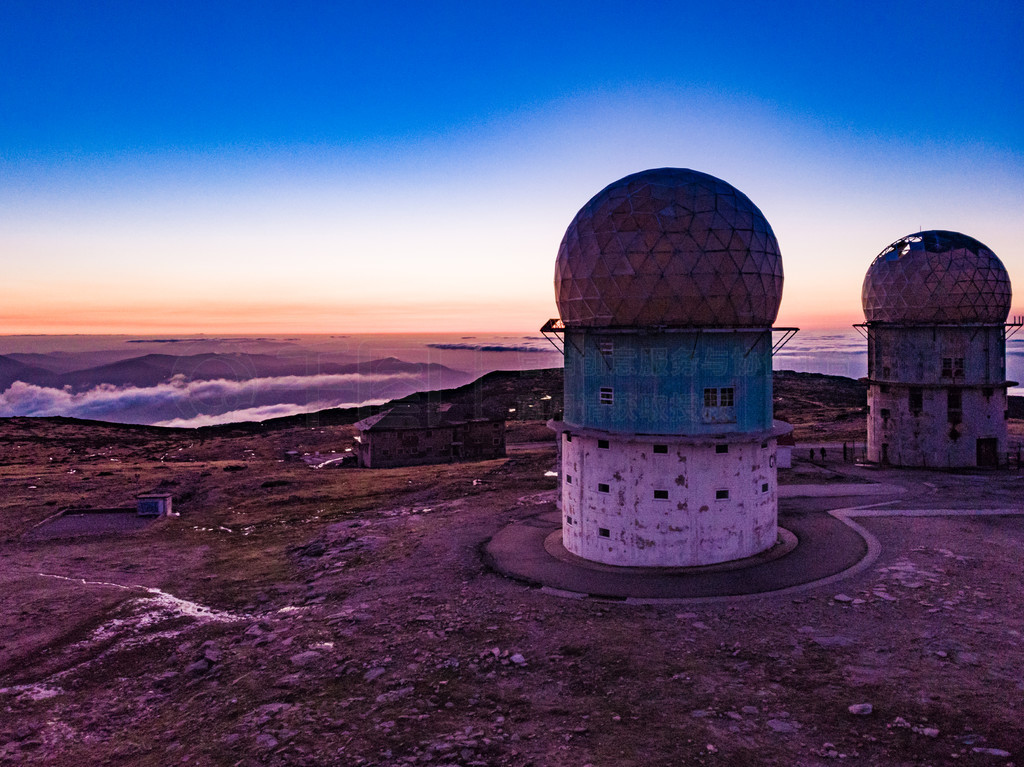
(990, 751)
(266, 740)
(198, 668)
(781, 725)
(929, 732)
(212, 654)
(834, 641)
(861, 709)
(304, 659)
(749, 709)
(518, 659)
(842, 598)
(392, 695)
(373, 673)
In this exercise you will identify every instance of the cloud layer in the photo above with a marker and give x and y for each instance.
(196, 403)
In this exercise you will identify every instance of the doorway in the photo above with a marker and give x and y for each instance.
(988, 452)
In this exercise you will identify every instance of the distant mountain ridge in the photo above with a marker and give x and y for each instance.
(153, 369)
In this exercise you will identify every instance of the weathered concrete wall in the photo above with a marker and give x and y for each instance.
(927, 438)
(921, 364)
(626, 524)
(914, 354)
(657, 380)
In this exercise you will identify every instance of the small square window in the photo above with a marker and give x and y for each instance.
(721, 495)
(568, 520)
(883, 389)
(568, 479)
(987, 392)
(604, 532)
(764, 487)
(607, 396)
(958, 367)
(568, 436)
(947, 367)
(602, 444)
(721, 448)
(661, 448)
(885, 412)
(725, 397)
(603, 488)
(661, 495)
(885, 372)
(764, 445)
(711, 398)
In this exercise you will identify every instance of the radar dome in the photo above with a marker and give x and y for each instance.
(669, 247)
(936, 277)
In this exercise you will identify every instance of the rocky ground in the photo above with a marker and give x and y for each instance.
(343, 616)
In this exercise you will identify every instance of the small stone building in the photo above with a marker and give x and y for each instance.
(413, 435)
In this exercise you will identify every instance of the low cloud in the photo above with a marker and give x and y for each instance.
(257, 414)
(195, 403)
(493, 348)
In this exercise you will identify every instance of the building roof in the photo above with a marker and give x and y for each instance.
(936, 277)
(669, 247)
(421, 417)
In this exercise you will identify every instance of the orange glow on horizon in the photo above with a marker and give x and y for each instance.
(310, 319)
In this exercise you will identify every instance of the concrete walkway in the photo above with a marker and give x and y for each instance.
(838, 490)
(830, 545)
(825, 546)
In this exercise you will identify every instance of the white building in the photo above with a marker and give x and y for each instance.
(667, 284)
(935, 305)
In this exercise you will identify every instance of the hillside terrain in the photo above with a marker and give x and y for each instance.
(300, 616)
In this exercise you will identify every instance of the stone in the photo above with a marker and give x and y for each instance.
(304, 659)
(860, 709)
(198, 668)
(781, 725)
(833, 641)
(990, 751)
(842, 598)
(518, 659)
(266, 740)
(392, 695)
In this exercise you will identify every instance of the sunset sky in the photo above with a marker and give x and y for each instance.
(335, 167)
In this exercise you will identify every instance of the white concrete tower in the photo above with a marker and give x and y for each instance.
(935, 305)
(667, 284)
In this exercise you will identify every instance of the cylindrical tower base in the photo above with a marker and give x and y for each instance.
(668, 501)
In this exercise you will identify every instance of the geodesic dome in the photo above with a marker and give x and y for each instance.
(669, 247)
(936, 277)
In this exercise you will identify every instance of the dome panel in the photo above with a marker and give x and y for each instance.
(686, 235)
(936, 277)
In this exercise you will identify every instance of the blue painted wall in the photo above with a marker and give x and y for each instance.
(658, 381)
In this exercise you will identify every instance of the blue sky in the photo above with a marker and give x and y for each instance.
(254, 165)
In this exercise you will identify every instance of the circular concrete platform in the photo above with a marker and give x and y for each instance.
(811, 548)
